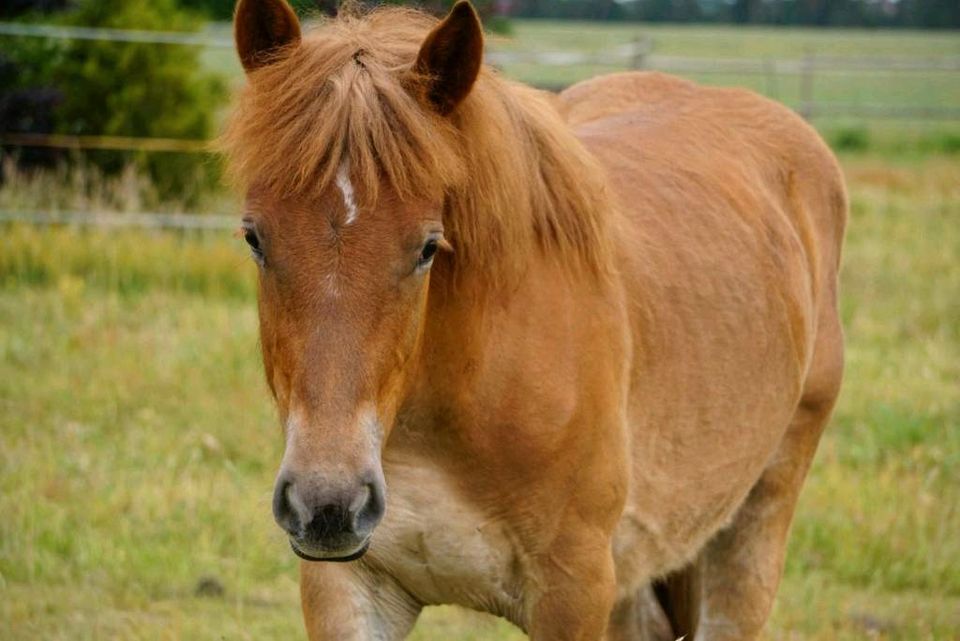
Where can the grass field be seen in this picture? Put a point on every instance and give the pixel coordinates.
(916, 89)
(885, 89)
(760, 43)
(138, 445)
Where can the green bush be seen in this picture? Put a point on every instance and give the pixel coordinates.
(131, 89)
(214, 9)
(948, 143)
(850, 139)
(499, 25)
(223, 9)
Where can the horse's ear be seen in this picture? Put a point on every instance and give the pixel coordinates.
(260, 27)
(451, 56)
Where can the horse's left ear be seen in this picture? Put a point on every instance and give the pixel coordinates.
(451, 56)
(261, 27)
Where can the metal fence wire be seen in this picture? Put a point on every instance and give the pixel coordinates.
(638, 54)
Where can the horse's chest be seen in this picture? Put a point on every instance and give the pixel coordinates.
(443, 550)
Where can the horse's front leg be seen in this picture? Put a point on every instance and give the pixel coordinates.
(351, 602)
(575, 591)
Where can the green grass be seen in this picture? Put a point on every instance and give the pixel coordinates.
(138, 445)
(760, 43)
(727, 41)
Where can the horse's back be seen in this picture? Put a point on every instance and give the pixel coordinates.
(663, 124)
(730, 219)
(691, 163)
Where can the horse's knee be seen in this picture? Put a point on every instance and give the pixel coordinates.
(579, 594)
(344, 602)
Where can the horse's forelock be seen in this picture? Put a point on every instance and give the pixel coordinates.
(342, 92)
(513, 176)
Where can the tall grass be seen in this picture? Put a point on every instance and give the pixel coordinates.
(127, 262)
(77, 186)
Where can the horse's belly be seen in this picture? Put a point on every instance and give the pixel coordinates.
(668, 517)
(694, 461)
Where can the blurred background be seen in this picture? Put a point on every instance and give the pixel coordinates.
(137, 441)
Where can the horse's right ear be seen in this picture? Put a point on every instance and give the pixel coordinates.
(261, 27)
(451, 56)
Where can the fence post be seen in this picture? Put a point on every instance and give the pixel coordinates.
(806, 85)
(641, 46)
(770, 72)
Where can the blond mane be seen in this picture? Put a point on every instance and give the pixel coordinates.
(511, 175)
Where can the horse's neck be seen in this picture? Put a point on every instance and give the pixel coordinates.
(479, 335)
(531, 187)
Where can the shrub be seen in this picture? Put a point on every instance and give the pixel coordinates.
(13, 8)
(850, 139)
(214, 9)
(949, 143)
(223, 9)
(131, 89)
(27, 102)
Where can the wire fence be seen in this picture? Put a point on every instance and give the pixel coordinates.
(57, 32)
(113, 143)
(143, 220)
(638, 54)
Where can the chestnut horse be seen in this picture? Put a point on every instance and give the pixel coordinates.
(564, 359)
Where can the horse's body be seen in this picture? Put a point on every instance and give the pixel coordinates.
(629, 413)
(735, 220)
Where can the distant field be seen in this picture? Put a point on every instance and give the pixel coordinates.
(138, 446)
(727, 41)
(716, 42)
(884, 88)
(695, 41)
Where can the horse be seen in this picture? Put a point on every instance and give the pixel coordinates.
(563, 358)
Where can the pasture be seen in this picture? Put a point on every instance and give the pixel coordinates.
(138, 445)
(701, 45)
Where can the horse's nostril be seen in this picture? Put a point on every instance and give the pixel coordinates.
(359, 501)
(283, 510)
(371, 510)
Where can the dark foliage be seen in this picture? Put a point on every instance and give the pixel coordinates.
(939, 14)
(14, 8)
(223, 9)
(885, 13)
(102, 88)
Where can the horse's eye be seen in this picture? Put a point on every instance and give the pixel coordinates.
(427, 253)
(253, 240)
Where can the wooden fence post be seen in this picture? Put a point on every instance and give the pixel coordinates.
(770, 73)
(806, 85)
(641, 45)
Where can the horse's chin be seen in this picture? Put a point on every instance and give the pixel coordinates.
(331, 558)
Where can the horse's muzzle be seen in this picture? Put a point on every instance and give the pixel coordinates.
(325, 521)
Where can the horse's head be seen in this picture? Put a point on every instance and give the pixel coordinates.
(343, 274)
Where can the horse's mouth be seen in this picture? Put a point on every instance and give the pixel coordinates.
(353, 556)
